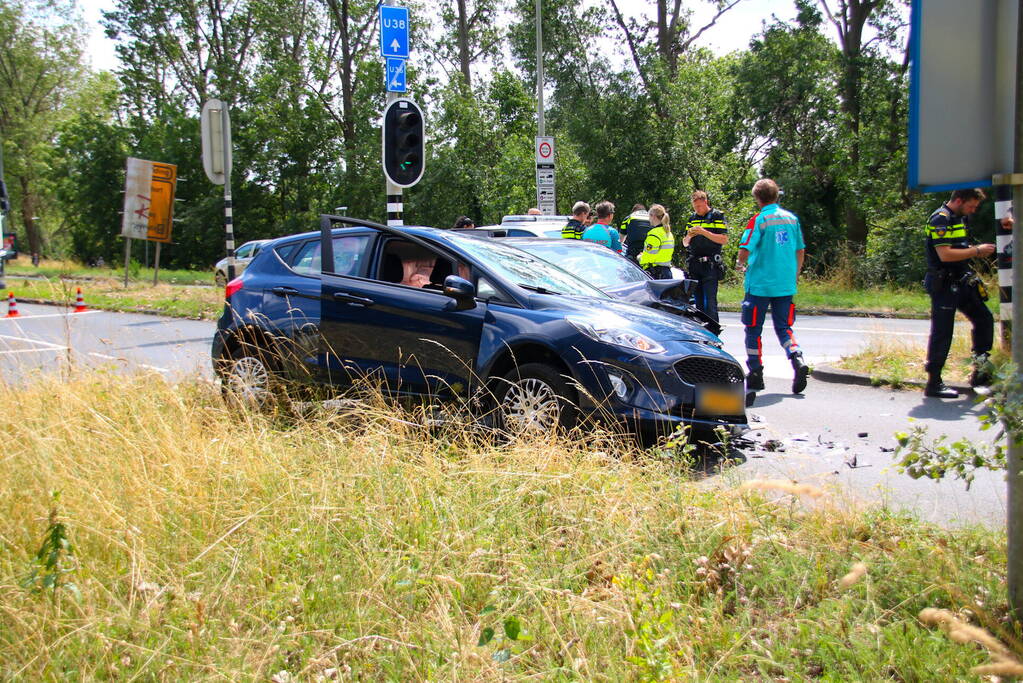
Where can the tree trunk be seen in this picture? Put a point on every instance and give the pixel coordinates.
(463, 45)
(28, 207)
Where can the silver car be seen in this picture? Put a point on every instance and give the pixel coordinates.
(242, 256)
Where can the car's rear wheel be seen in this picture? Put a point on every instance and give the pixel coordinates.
(247, 377)
(535, 398)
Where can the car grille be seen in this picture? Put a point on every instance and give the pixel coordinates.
(697, 370)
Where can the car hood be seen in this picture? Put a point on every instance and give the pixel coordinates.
(655, 324)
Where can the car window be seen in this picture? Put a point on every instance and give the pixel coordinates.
(256, 248)
(600, 267)
(286, 250)
(519, 232)
(524, 269)
(403, 262)
(348, 254)
(243, 251)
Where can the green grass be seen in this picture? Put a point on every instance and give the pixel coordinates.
(69, 269)
(211, 543)
(895, 361)
(200, 303)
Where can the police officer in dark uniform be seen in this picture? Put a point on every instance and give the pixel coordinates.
(577, 223)
(635, 227)
(706, 233)
(952, 285)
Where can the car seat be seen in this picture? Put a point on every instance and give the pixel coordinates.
(441, 269)
(391, 269)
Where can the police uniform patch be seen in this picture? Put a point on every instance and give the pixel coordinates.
(940, 232)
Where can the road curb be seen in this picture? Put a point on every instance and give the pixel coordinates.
(829, 373)
(844, 313)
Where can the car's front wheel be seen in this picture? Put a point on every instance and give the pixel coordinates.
(535, 398)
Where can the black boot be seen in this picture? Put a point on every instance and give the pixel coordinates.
(981, 376)
(755, 380)
(937, 389)
(801, 372)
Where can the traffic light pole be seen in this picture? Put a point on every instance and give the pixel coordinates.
(395, 206)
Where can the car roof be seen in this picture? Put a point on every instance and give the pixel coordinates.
(526, 218)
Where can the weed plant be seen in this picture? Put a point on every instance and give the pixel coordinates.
(215, 543)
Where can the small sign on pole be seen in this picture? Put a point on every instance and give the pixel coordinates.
(394, 30)
(546, 197)
(216, 161)
(395, 74)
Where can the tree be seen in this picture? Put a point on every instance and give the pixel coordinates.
(40, 72)
(851, 18)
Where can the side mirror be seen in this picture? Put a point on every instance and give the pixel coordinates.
(462, 291)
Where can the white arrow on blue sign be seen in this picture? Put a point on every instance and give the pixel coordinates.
(395, 75)
(394, 27)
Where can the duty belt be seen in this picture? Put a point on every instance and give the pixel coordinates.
(716, 258)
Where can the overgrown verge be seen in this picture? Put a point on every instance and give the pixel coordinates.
(207, 542)
(899, 362)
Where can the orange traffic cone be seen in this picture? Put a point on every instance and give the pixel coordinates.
(80, 303)
(12, 306)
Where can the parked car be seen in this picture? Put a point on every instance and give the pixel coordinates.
(618, 276)
(243, 255)
(438, 314)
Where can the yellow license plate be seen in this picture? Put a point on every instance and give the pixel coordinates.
(716, 401)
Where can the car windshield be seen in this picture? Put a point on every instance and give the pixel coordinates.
(597, 265)
(524, 269)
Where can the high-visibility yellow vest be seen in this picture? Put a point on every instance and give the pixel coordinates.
(658, 248)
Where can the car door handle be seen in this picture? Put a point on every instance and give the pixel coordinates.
(352, 299)
(284, 291)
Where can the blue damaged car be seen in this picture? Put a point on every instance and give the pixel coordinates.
(429, 313)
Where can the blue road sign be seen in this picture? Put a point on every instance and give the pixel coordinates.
(395, 75)
(394, 26)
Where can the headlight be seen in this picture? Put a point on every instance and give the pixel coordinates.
(617, 336)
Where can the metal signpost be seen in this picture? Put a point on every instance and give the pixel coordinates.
(546, 199)
(216, 162)
(966, 130)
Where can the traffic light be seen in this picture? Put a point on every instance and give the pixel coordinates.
(404, 138)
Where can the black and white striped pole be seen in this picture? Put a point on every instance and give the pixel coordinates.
(1003, 242)
(395, 206)
(216, 161)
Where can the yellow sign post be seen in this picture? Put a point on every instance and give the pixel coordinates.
(148, 206)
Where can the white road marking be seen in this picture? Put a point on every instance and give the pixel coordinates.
(29, 316)
(48, 348)
(125, 360)
(33, 341)
(797, 328)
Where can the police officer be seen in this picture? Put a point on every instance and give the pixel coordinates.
(659, 246)
(576, 224)
(952, 285)
(706, 233)
(635, 227)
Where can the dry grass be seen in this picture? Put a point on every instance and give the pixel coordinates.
(211, 543)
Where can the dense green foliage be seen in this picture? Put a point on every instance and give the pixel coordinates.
(641, 110)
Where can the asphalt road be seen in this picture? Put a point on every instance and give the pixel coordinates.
(818, 431)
